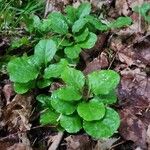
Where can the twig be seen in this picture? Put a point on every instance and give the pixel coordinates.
(56, 141)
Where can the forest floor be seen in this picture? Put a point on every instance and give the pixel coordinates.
(126, 51)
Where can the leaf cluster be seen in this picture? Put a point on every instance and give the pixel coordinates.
(82, 101)
(72, 109)
(76, 29)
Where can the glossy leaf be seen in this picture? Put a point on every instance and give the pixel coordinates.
(58, 23)
(45, 51)
(71, 124)
(71, 14)
(22, 88)
(78, 25)
(73, 77)
(49, 117)
(121, 22)
(103, 128)
(73, 51)
(68, 93)
(92, 110)
(42, 83)
(84, 9)
(96, 23)
(80, 37)
(45, 100)
(55, 70)
(90, 42)
(62, 106)
(103, 82)
(110, 98)
(21, 71)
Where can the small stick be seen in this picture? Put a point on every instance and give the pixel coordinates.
(56, 142)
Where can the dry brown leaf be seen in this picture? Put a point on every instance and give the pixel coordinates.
(98, 63)
(132, 128)
(78, 142)
(134, 99)
(19, 146)
(8, 92)
(17, 113)
(105, 144)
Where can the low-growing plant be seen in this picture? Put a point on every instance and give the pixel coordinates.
(83, 103)
(74, 30)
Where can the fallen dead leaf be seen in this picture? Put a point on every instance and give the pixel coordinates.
(17, 113)
(8, 92)
(134, 100)
(19, 146)
(105, 144)
(78, 142)
(101, 62)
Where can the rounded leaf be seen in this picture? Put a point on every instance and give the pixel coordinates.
(103, 128)
(78, 25)
(55, 70)
(90, 42)
(21, 71)
(62, 106)
(92, 110)
(45, 51)
(49, 117)
(84, 9)
(22, 88)
(71, 124)
(58, 23)
(103, 81)
(81, 36)
(73, 51)
(110, 98)
(68, 93)
(73, 77)
(42, 83)
(45, 100)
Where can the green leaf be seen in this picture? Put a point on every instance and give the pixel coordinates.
(103, 82)
(22, 88)
(78, 25)
(21, 71)
(68, 93)
(121, 22)
(81, 36)
(71, 124)
(96, 23)
(58, 23)
(71, 14)
(73, 77)
(42, 83)
(49, 117)
(36, 21)
(55, 70)
(45, 51)
(143, 10)
(103, 128)
(73, 51)
(45, 25)
(110, 98)
(84, 9)
(16, 43)
(92, 110)
(62, 106)
(90, 42)
(45, 100)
